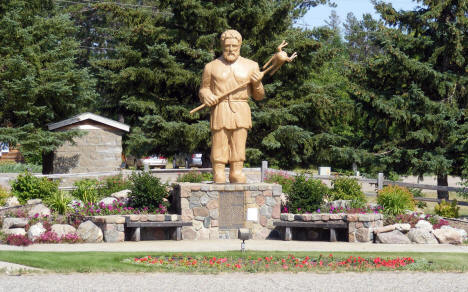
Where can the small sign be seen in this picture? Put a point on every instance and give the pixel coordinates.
(252, 214)
(4, 147)
(324, 170)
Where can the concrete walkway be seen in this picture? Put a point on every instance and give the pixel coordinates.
(222, 245)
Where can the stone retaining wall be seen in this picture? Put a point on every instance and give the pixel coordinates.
(205, 206)
(359, 226)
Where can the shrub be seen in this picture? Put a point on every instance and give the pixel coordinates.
(285, 180)
(346, 188)
(446, 209)
(4, 194)
(395, 200)
(87, 190)
(13, 167)
(112, 185)
(147, 191)
(26, 187)
(195, 177)
(59, 202)
(306, 195)
(17, 239)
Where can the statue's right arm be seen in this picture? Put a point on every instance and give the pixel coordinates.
(205, 94)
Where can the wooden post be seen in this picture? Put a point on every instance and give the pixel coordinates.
(264, 170)
(380, 179)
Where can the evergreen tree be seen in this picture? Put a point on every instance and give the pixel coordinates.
(413, 91)
(40, 82)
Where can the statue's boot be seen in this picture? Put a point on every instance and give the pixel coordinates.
(236, 175)
(219, 176)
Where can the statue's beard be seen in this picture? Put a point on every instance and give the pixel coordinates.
(230, 57)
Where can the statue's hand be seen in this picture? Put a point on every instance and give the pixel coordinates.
(210, 100)
(256, 78)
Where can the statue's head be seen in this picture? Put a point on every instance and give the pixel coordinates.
(231, 41)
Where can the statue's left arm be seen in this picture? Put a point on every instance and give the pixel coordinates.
(258, 92)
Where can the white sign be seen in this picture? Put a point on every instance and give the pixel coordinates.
(252, 214)
(324, 170)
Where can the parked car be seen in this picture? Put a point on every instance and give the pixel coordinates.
(187, 161)
(158, 161)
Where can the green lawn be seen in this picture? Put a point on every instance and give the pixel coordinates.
(86, 262)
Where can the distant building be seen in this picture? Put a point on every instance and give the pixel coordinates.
(100, 149)
(8, 153)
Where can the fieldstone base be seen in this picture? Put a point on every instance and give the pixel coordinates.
(217, 211)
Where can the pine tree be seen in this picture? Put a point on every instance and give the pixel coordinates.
(413, 92)
(40, 82)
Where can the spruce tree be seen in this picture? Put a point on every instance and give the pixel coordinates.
(413, 91)
(40, 81)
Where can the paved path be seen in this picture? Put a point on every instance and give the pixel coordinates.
(378, 281)
(222, 245)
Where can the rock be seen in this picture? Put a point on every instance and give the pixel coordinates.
(89, 232)
(12, 202)
(34, 201)
(462, 232)
(403, 227)
(363, 235)
(394, 236)
(345, 204)
(421, 235)
(40, 209)
(448, 236)
(423, 224)
(108, 201)
(14, 223)
(63, 229)
(188, 233)
(35, 231)
(122, 195)
(15, 231)
(384, 229)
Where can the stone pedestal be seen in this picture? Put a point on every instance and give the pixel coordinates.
(217, 211)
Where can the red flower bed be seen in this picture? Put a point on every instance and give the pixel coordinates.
(273, 264)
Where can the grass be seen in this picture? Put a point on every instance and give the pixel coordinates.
(11, 167)
(93, 262)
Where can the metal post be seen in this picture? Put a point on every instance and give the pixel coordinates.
(264, 170)
(380, 180)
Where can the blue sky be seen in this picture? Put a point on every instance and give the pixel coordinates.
(318, 15)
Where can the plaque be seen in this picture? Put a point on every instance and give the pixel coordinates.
(231, 210)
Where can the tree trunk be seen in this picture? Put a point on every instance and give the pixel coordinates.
(442, 180)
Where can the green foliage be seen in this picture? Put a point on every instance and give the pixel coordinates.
(112, 185)
(346, 188)
(395, 199)
(40, 82)
(446, 209)
(13, 167)
(195, 177)
(147, 191)
(4, 194)
(306, 195)
(411, 90)
(87, 190)
(59, 202)
(285, 180)
(26, 187)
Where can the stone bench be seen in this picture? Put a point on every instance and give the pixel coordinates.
(134, 227)
(359, 227)
(338, 224)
